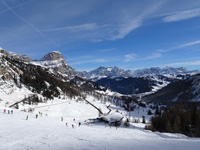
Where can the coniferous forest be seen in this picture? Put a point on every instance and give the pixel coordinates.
(182, 118)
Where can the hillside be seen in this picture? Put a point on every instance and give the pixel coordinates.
(187, 90)
(43, 88)
(49, 132)
(46, 80)
(134, 85)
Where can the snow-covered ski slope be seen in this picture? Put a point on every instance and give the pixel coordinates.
(48, 132)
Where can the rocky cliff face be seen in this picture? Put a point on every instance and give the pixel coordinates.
(104, 72)
(53, 56)
(15, 56)
(23, 58)
(55, 61)
(50, 76)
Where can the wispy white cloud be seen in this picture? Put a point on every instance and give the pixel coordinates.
(188, 44)
(96, 40)
(89, 60)
(182, 15)
(21, 18)
(129, 57)
(78, 58)
(88, 26)
(132, 57)
(126, 28)
(178, 47)
(153, 56)
(187, 63)
(107, 50)
(99, 60)
(133, 22)
(17, 6)
(25, 21)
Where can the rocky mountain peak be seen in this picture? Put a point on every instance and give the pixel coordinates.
(55, 61)
(2, 51)
(15, 56)
(103, 72)
(52, 56)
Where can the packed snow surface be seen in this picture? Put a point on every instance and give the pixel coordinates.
(48, 132)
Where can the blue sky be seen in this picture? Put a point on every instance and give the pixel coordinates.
(130, 34)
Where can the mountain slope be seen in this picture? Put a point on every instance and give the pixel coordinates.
(159, 71)
(133, 85)
(187, 90)
(28, 79)
(50, 133)
(55, 61)
(34, 78)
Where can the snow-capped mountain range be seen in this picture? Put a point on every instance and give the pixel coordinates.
(49, 75)
(114, 72)
(60, 95)
(54, 60)
(103, 72)
(143, 81)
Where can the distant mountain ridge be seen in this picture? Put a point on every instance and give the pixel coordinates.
(103, 72)
(53, 71)
(114, 72)
(159, 71)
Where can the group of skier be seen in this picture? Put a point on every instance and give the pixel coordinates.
(73, 126)
(36, 116)
(9, 111)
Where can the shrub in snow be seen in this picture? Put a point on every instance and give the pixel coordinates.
(143, 119)
(149, 112)
(127, 123)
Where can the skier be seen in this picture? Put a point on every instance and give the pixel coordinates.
(4, 110)
(36, 116)
(72, 126)
(61, 118)
(11, 111)
(66, 124)
(27, 117)
(8, 111)
(74, 119)
(79, 124)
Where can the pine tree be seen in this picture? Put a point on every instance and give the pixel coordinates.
(197, 127)
(143, 119)
(168, 127)
(149, 112)
(177, 125)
